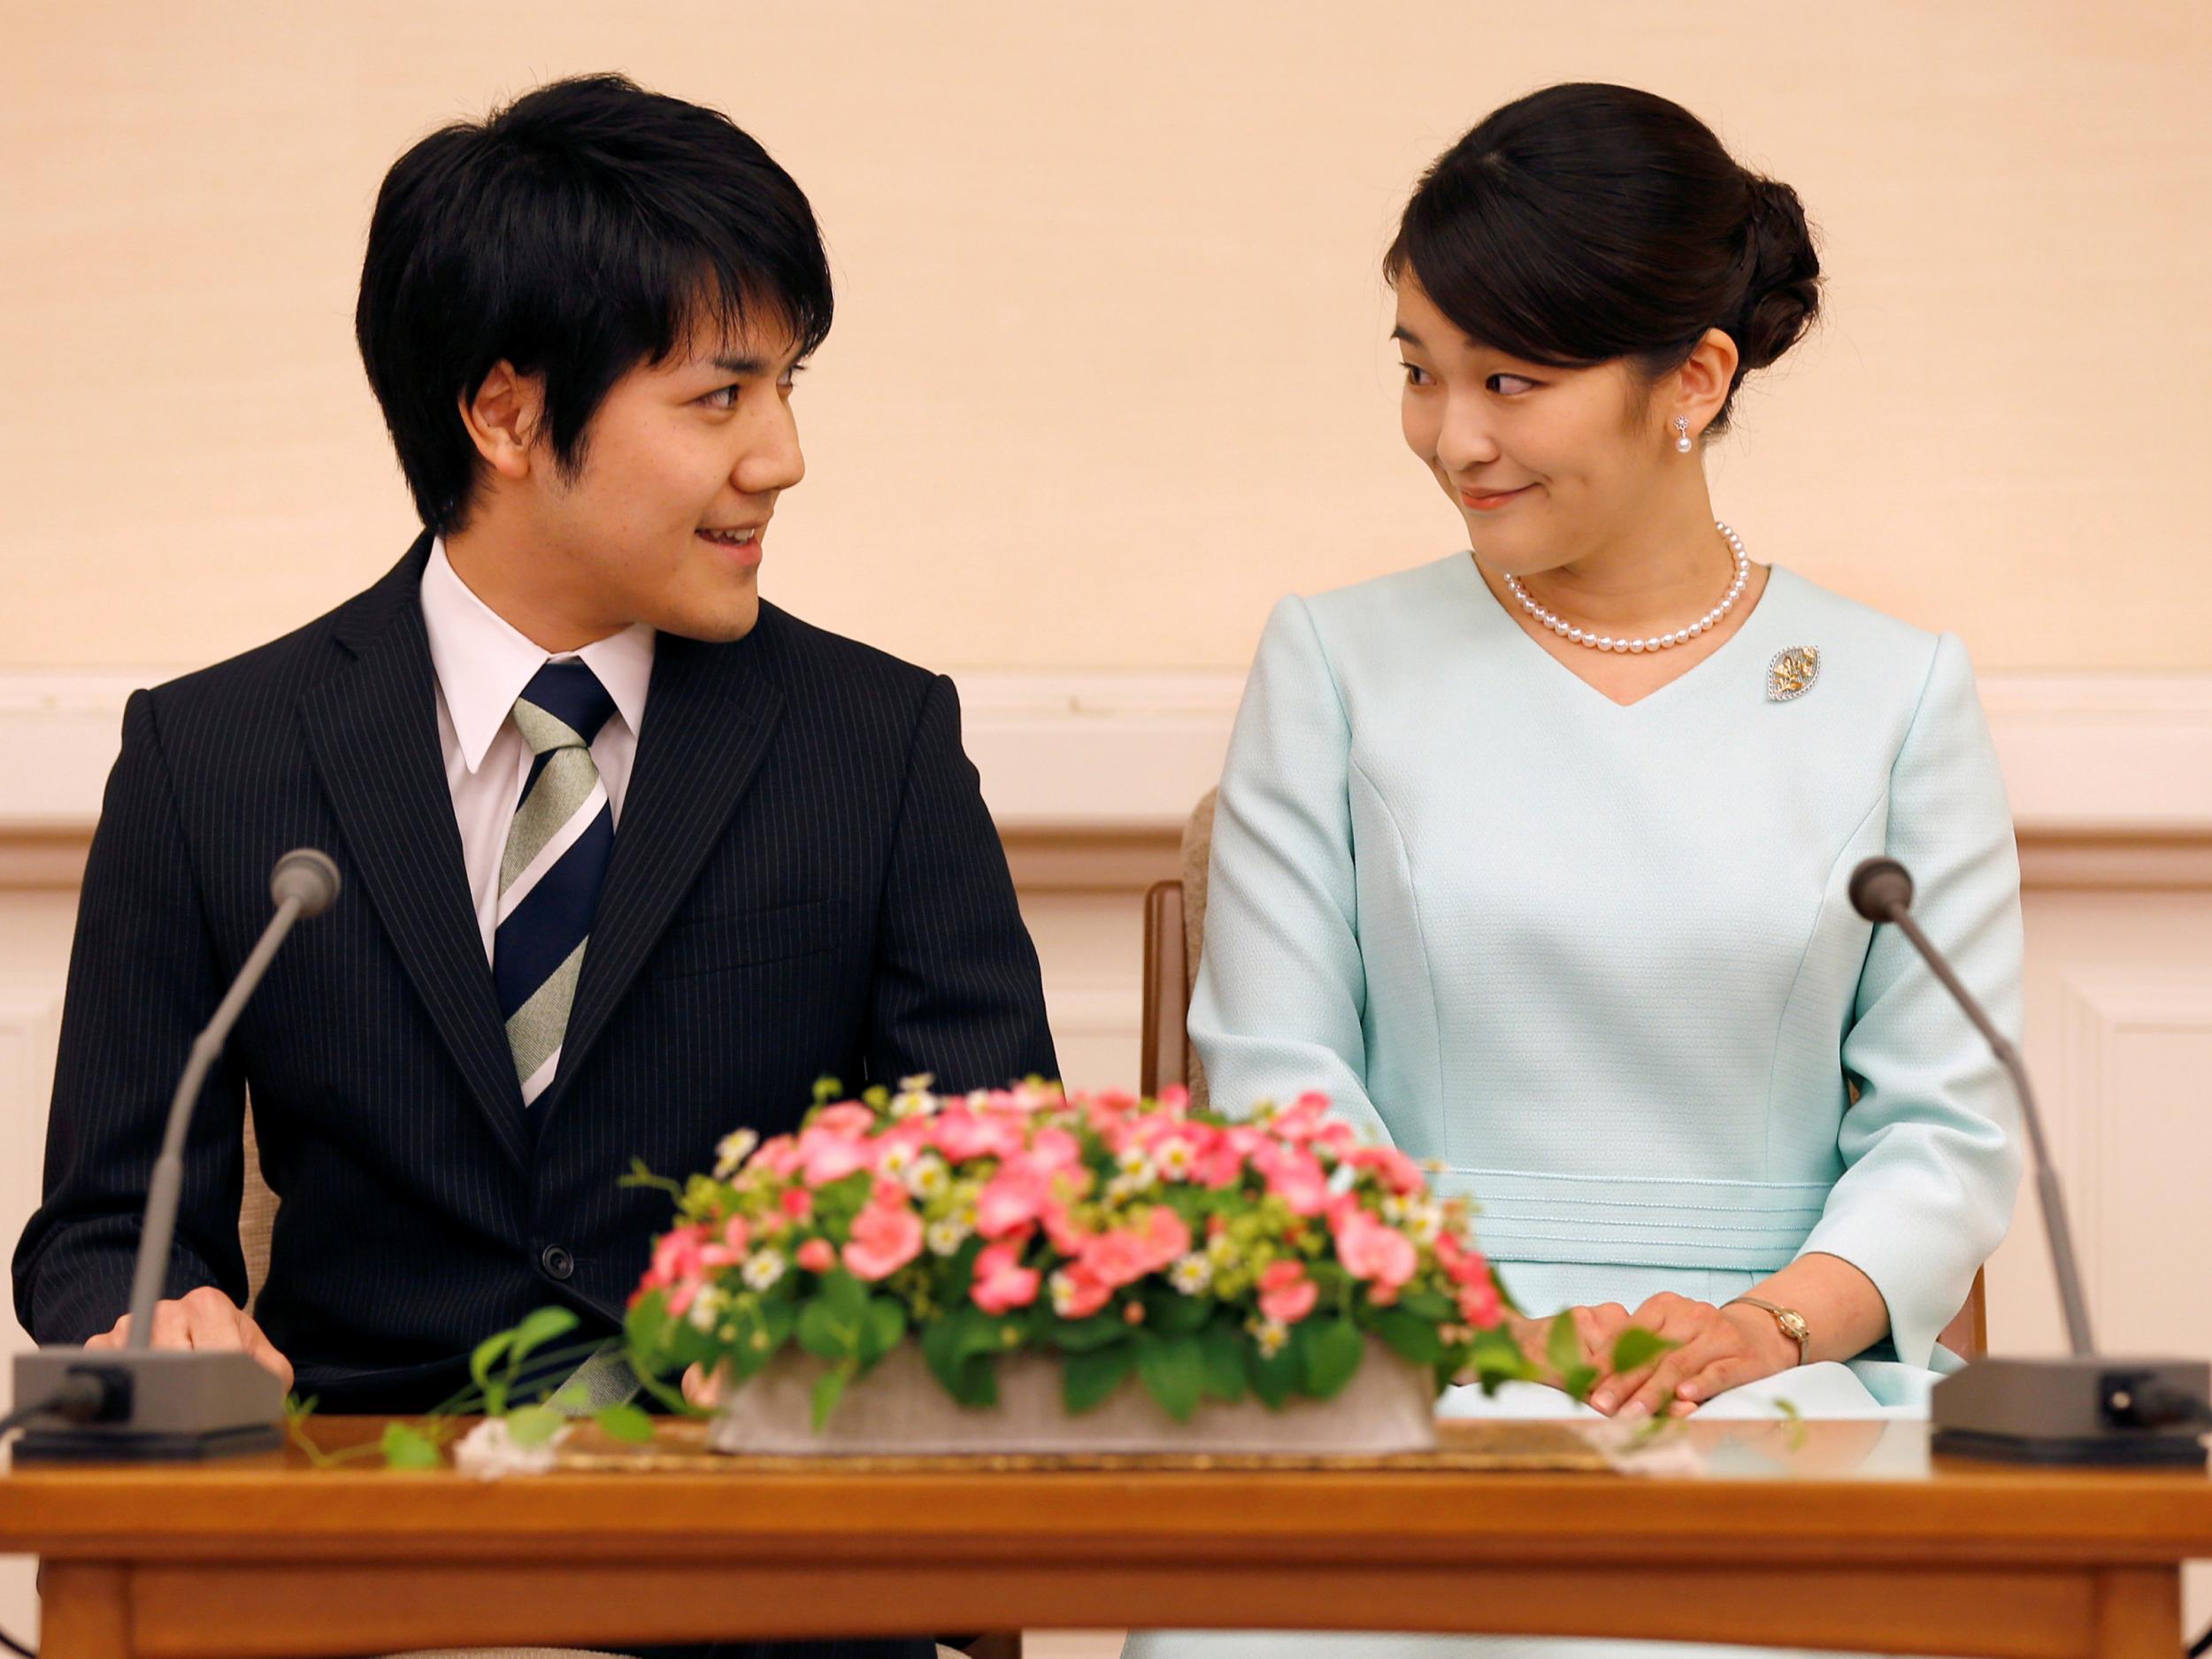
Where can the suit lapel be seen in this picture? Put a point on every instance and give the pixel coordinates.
(373, 732)
(708, 716)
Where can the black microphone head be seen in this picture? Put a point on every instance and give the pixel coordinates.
(308, 876)
(1881, 888)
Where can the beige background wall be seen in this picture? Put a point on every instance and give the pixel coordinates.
(1110, 373)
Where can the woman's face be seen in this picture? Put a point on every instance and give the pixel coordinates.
(1548, 466)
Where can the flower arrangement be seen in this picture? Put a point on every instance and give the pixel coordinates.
(1208, 1257)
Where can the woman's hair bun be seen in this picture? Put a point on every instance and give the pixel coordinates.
(1781, 294)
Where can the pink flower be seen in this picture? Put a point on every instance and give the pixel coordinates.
(1479, 1306)
(1399, 1173)
(960, 1134)
(1165, 1238)
(818, 1255)
(826, 1155)
(778, 1157)
(1052, 1150)
(848, 1119)
(730, 1248)
(676, 1256)
(1014, 1197)
(1371, 1250)
(885, 1237)
(1001, 1283)
(1287, 1296)
(1116, 1258)
(1078, 1293)
(1294, 1175)
(1461, 1264)
(798, 1204)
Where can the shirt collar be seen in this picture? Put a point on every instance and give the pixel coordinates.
(483, 662)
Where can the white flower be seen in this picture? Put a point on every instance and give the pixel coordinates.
(1191, 1274)
(928, 1177)
(917, 1083)
(947, 1236)
(706, 1308)
(897, 1158)
(1221, 1250)
(1425, 1222)
(1177, 1160)
(1063, 1293)
(732, 1151)
(1393, 1209)
(1269, 1334)
(1342, 1179)
(487, 1451)
(763, 1269)
(912, 1103)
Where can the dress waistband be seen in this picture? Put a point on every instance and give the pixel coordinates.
(1522, 1216)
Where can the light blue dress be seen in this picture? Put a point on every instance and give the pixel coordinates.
(1599, 961)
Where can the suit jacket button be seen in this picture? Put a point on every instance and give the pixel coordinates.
(558, 1262)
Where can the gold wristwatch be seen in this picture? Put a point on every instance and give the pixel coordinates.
(1793, 1323)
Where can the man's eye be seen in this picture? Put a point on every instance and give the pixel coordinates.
(721, 398)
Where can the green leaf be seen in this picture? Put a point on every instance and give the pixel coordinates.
(843, 1294)
(1332, 1350)
(406, 1447)
(640, 1176)
(1088, 1376)
(828, 1391)
(827, 1334)
(533, 1425)
(1410, 1335)
(645, 1328)
(1564, 1346)
(1577, 1380)
(487, 1355)
(1168, 1312)
(1221, 1348)
(1173, 1372)
(1274, 1379)
(881, 1329)
(626, 1421)
(1636, 1347)
(1082, 1336)
(540, 1327)
(1432, 1305)
(1497, 1354)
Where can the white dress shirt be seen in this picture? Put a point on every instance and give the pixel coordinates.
(482, 664)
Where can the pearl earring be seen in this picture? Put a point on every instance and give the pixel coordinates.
(1682, 434)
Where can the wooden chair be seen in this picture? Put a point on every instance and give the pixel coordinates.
(1174, 929)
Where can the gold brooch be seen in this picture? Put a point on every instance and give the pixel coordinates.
(1792, 672)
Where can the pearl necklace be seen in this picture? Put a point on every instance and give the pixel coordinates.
(1658, 642)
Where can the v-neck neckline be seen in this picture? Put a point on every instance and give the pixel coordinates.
(1488, 602)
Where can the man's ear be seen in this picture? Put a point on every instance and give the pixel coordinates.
(503, 418)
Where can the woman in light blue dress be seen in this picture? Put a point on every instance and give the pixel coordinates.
(1534, 858)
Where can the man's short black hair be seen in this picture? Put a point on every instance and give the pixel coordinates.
(585, 228)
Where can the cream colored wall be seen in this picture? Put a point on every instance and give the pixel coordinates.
(1109, 373)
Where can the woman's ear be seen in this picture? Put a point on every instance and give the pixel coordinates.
(1700, 385)
(504, 417)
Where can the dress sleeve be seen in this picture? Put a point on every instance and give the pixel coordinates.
(1932, 1147)
(1281, 989)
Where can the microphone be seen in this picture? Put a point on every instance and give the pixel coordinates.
(2080, 1410)
(172, 1404)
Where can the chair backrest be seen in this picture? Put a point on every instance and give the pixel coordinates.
(257, 1217)
(1174, 930)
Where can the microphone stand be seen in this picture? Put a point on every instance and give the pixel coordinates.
(2083, 1409)
(149, 1403)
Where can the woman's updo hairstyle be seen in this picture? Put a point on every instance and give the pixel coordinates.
(1588, 222)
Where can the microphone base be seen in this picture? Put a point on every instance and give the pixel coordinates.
(164, 1405)
(2090, 1409)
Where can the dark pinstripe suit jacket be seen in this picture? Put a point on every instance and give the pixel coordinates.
(805, 882)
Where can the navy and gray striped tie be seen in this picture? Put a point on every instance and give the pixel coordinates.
(556, 858)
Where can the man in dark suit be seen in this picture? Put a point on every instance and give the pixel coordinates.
(631, 857)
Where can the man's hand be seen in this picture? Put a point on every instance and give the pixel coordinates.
(204, 1319)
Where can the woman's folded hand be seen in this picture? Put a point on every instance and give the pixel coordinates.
(1713, 1349)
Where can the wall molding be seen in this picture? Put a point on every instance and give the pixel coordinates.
(1089, 774)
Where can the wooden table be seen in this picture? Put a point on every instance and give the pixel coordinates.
(1838, 1536)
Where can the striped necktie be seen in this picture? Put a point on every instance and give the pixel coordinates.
(556, 859)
